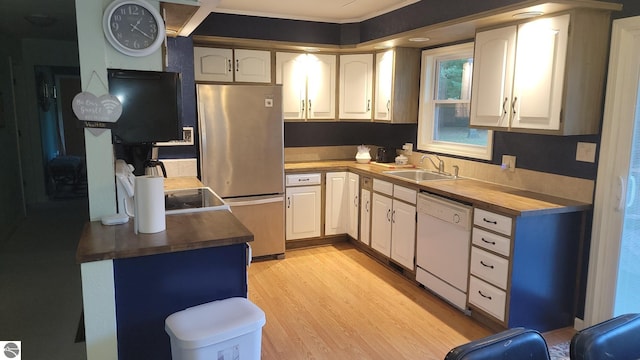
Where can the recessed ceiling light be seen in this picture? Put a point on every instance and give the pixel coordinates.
(528, 14)
(311, 49)
(382, 47)
(419, 39)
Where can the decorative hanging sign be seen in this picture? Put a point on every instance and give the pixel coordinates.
(97, 112)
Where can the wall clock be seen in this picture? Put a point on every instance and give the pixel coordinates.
(133, 27)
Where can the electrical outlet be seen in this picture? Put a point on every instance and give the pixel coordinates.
(509, 163)
(586, 152)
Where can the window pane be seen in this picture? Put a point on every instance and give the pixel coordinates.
(454, 79)
(452, 125)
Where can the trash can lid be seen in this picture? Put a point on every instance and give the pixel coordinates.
(214, 322)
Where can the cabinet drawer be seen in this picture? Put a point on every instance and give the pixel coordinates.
(303, 179)
(492, 221)
(383, 187)
(489, 267)
(491, 241)
(405, 194)
(487, 297)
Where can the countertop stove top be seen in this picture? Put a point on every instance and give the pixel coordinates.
(192, 200)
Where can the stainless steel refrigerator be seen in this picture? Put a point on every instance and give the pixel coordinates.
(242, 157)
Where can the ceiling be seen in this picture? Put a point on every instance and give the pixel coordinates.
(62, 13)
(14, 25)
(335, 11)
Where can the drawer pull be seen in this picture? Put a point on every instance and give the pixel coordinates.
(485, 265)
(488, 242)
(483, 295)
(490, 221)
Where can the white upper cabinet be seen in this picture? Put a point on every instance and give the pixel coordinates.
(308, 85)
(356, 78)
(384, 85)
(493, 64)
(397, 85)
(252, 66)
(535, 77)
(539, 74)
(228, 65)
(212, 64)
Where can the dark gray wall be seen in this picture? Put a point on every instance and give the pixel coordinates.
(550, 154)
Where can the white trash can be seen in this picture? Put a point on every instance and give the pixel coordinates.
(229, 329)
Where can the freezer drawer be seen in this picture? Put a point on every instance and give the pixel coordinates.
(264, 217)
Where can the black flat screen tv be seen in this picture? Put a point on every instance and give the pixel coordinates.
(151, 106)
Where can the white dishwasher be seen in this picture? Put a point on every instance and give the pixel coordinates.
(442, 249)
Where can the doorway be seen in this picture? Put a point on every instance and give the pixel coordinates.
(63, 147)
(614, 271)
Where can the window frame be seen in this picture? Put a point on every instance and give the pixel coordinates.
(427, 105)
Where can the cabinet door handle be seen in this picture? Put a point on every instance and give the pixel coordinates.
(309, 106)
(366, 206)
(229, 63)
(504, 107)
(490, 221)
(388, 105)
(488, 242)
(393, 217)
(389, 215)
(368, 105)
(513, 105)
(288, 202)
(355, 201)
(237, 65)
(302, 105)
(483, 295)
(485, 265)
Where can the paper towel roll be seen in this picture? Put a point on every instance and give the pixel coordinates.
(149, 204)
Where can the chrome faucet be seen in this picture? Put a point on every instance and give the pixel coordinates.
(440, 165)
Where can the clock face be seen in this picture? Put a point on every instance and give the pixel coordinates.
(133, 27)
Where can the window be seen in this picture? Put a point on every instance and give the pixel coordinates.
(443, 125)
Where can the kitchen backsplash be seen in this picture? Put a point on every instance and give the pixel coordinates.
(181, 167)
(550, 184)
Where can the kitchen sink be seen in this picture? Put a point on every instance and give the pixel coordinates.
(419, 175)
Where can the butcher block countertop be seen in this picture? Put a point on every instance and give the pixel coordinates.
(184, 232)
(489, 196)
(187, 231)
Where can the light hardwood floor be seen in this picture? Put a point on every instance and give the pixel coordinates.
(335, 302)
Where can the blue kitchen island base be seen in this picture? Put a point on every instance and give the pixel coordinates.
(150, 288)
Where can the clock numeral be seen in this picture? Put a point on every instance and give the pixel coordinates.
(134, 10)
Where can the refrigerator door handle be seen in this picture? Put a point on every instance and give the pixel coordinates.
(233, 202)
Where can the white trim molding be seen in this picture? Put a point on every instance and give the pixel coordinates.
(613, 169)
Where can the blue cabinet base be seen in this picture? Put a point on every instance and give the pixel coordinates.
(150, 288)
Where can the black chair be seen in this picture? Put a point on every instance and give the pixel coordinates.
(614, 339)
(512, 344)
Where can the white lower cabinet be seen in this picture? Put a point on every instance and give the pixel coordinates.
(365, 216)
(403, 233)
(381, 224)
(353, 204)
(336, 215)
(303, 212)
(342, 203)
(393, 222)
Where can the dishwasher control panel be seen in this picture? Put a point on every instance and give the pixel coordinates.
(444, 209)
